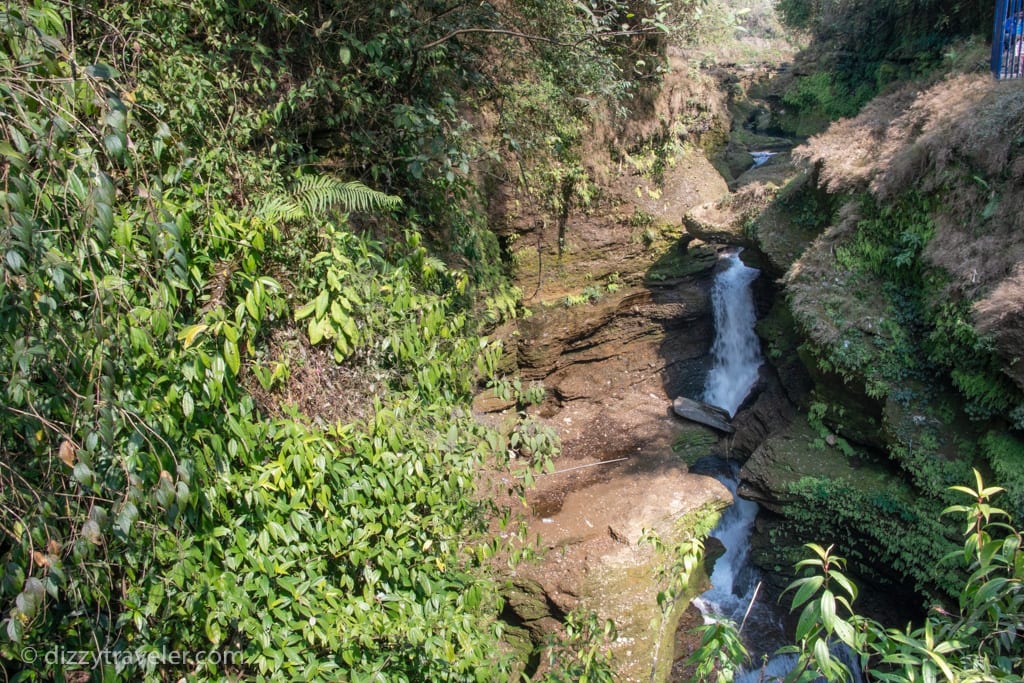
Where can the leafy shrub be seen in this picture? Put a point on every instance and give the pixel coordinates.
(906, 534)
(148, 505)
(979, 638)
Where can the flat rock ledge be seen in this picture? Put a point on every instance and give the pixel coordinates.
(702, 413)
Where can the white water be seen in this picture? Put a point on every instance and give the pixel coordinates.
(732, 585)
(736, 359)
(736, 350)
(734, 592)
(761, 158)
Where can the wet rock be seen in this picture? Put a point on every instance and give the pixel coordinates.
(792, 454)
(702, 413)
(769, 411)
(713, 549)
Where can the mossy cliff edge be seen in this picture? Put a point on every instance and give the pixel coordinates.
(907, 303)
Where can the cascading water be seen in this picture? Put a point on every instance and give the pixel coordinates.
(733, 584)
(736, 360)
(736, 354)
(736, 351)
(761, 158)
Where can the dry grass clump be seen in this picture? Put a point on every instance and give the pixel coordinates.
(1001, 315)
(900, 137)
(961, 139)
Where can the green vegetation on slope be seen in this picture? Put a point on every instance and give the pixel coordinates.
(856, 49)
(182, 241)
(978, 639)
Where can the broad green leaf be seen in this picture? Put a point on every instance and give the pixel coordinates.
(305, 311)
(189, 334)
(231, 356)
(822, 657)
(828, 610)
(315, 331)
(322, 301)
(15, 631)
(808, 586)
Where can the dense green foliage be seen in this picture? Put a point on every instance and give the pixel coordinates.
(978, 639)
(857, 48)
(181, 220)
(928, 335)
(946, 403)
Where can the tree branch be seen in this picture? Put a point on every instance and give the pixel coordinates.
(541, 39)
(515, 34)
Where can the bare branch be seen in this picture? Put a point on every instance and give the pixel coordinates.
(541, 39)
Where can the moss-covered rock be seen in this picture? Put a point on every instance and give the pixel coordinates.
(797, 452)
(646, 589)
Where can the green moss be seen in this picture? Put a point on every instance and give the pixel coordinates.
(886, 531)
(679, 263)
(1005, 453)
(778, 331)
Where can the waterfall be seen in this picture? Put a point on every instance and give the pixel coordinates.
(736, 356)
(736, 351)
(732, 585)
(734, 591)
(761, 158)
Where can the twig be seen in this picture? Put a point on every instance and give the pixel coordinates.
(580, 467)
(749, 607)
(540, 39)
(501, 31)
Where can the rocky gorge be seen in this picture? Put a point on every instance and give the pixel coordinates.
(856, 424)
(619, 325)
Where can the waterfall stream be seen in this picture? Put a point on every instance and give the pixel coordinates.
(736, 350)
(736, 356)
(735, 584)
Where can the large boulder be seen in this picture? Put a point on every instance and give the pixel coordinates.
(796, 452)
(601, 560)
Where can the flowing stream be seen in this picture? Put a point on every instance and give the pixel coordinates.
(737, 358)
(734, 594)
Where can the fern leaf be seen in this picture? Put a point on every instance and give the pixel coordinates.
(279, 207)
(317, 194)
(313, 195)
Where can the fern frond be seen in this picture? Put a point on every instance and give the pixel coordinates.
(318, 193)
(280, 207)
(313, 195)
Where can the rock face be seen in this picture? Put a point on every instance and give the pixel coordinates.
(609, 365)
(768, 412)
(598, 559)
(734, 218)
(702, 413)
(619, 321)
(794, 453)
